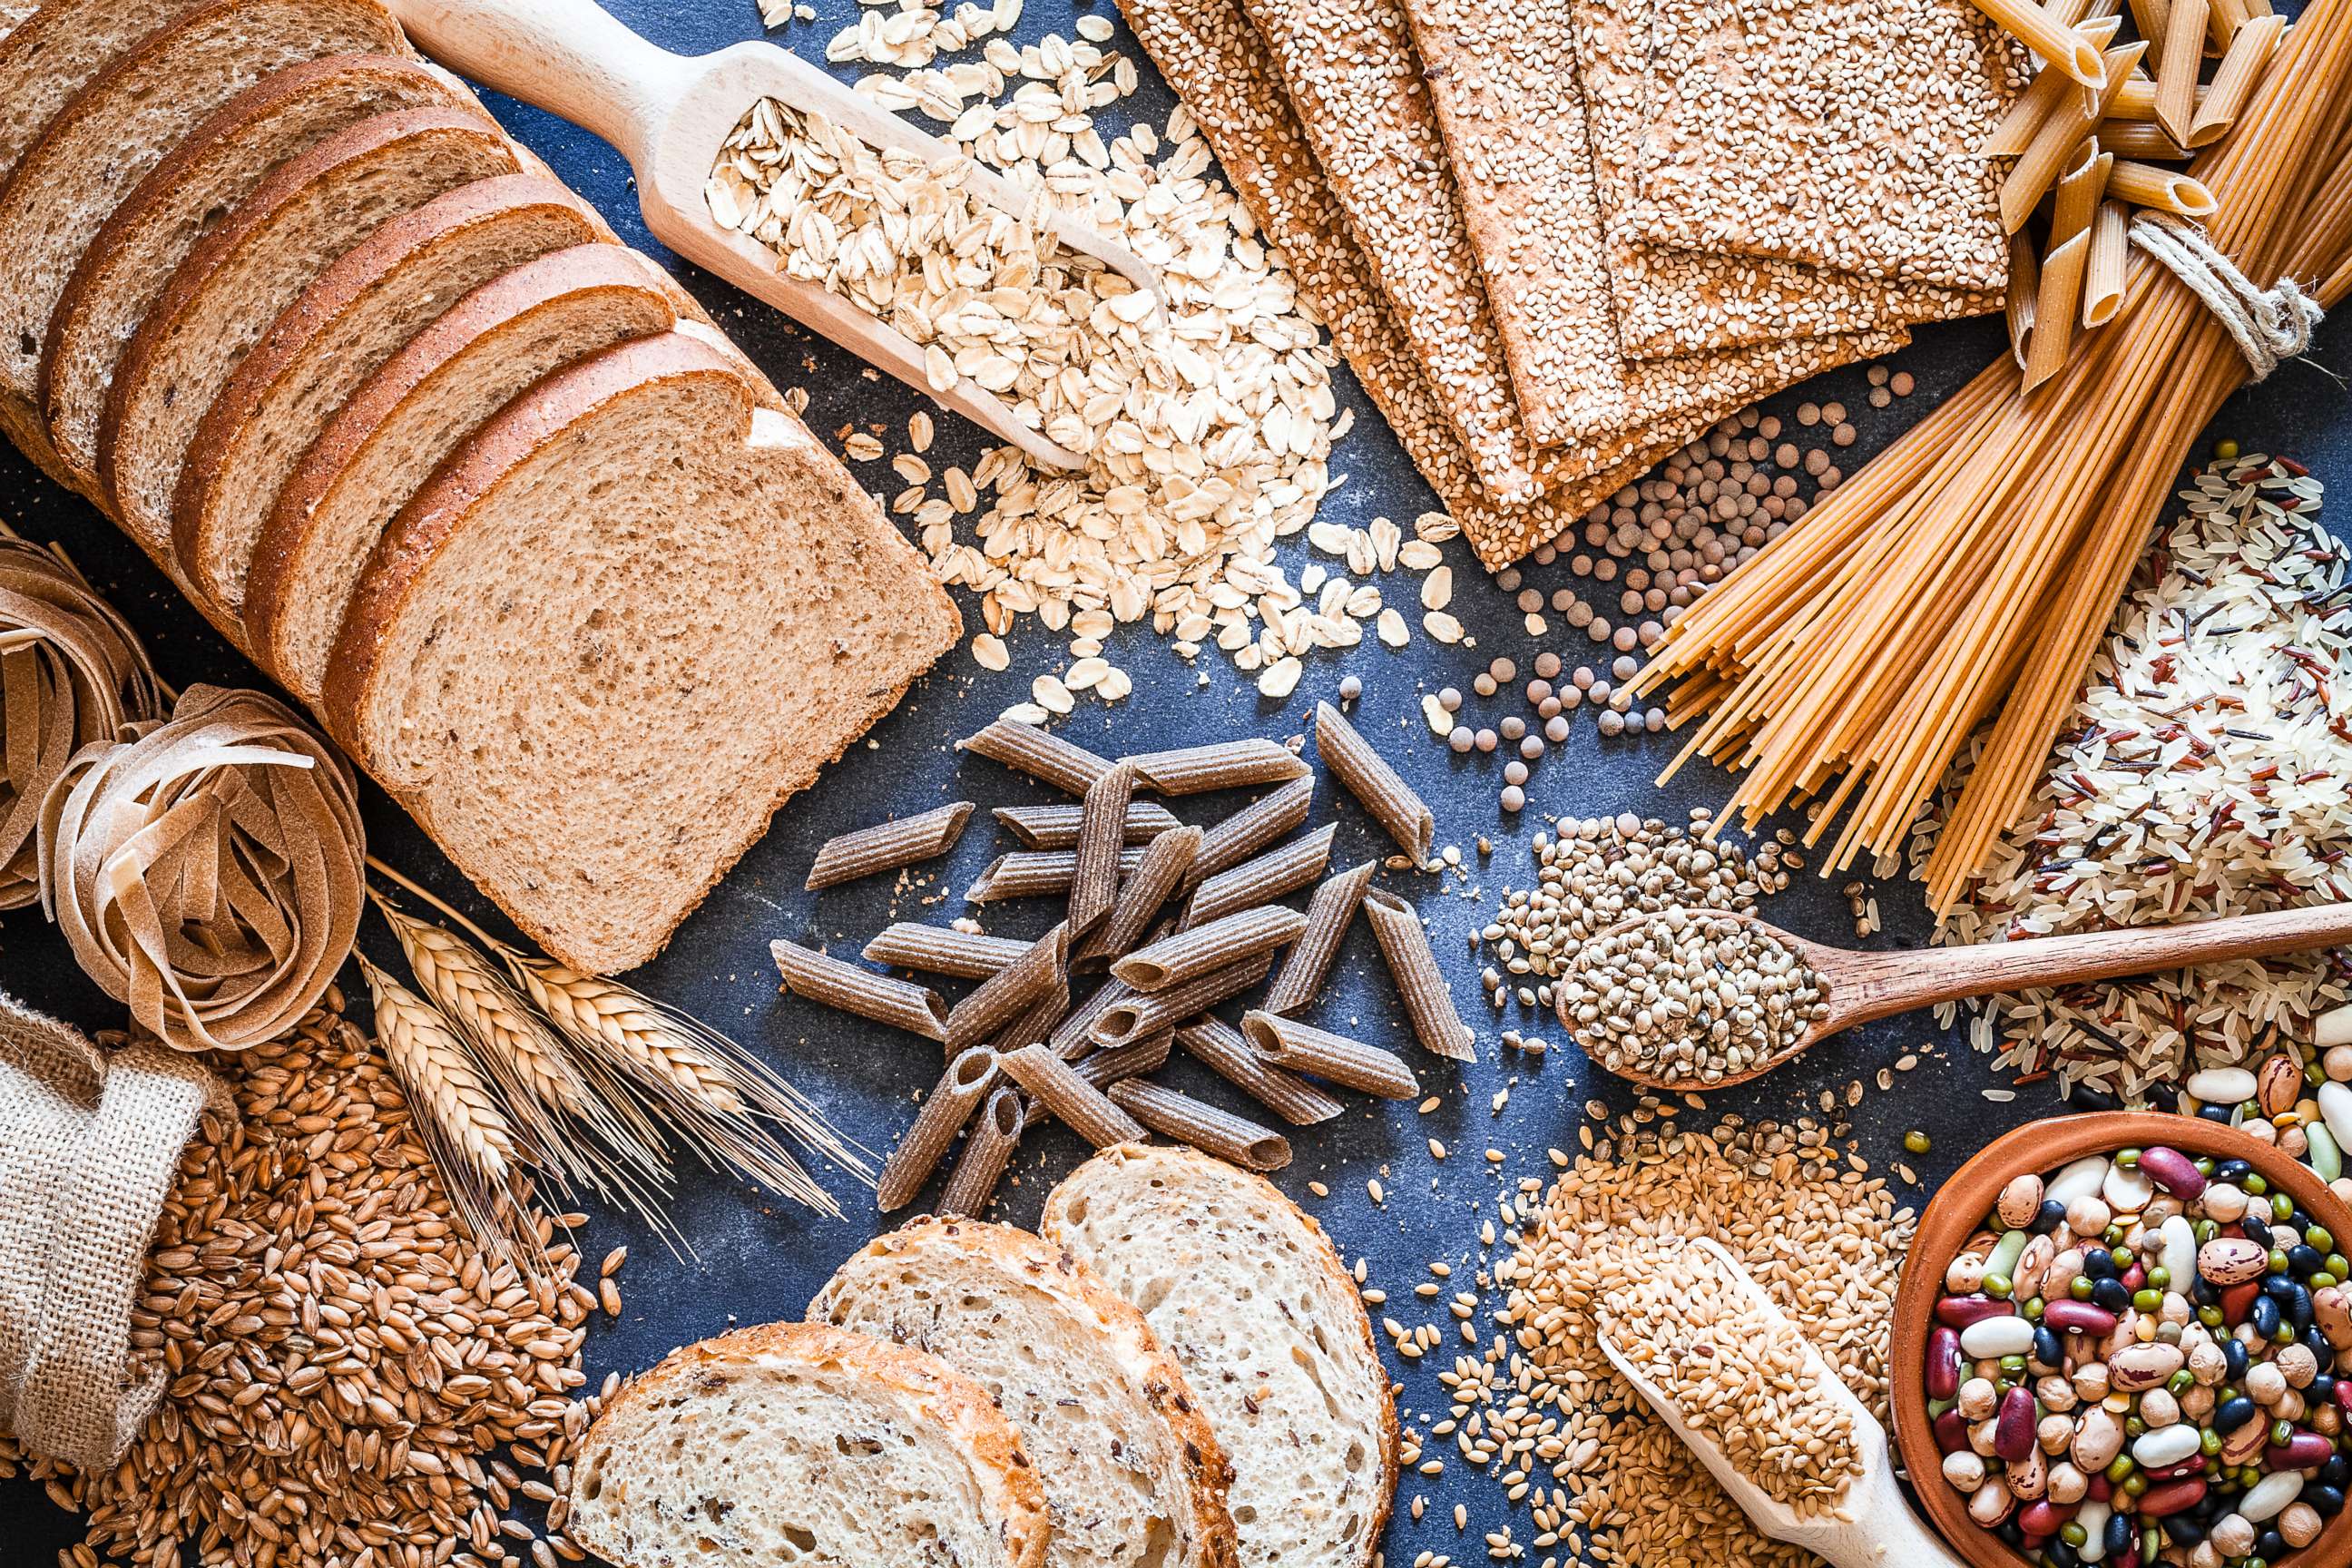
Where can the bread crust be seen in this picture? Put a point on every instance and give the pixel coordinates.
(264, 99)
(411, 237)
(1057, 1273)
(1182, 1167)
(597, 265)
(959, 1406)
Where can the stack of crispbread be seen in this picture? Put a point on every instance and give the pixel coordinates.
(1558, 242)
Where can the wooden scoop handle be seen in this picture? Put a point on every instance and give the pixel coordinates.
(568, 55)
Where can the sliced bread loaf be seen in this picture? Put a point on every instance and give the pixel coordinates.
(126, 267)
(101, 144)
(1248, 1295)
(236, 282)
(358, 313)
(1132, 1477)
(799, 1444)
(52, 52)
(630, 617)
(406, 419)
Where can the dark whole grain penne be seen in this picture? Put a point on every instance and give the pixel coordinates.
(1219, 1046)
(1172, 960)
(1166, 862)
(985, 1154)
(1104, 1068)
(1006, 994)
(1284, 869)
(1329, 914)
(1080, 1105)
(967, 1081)
(1074, 1036)
(1134, 1019)
(1093, 881)
(1302, 1048)
(1218, 765)
(1056, 827)
(1034, 1021)
(1376, 786)
(887, 845)
(1210, 1129)
(1040, 754)
(1245, 832)
(1035, 873)
(1427, 1000)
(943, 950)
(823, 979)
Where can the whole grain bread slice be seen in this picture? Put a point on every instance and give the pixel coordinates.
(126, 267)
(1247, 1293)
(406, 419)
(94, 152)
(54, 51)
(1132, 1476)
(354, 316)
(233, 286)
(630, 617)
(797, 1443)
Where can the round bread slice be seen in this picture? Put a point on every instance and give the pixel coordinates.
(1248, 1295)
(126, 267)
(102, 142)
(237, 280)
(625, 621)
(398, 427)
(354, 316)
(1133, 1478)
(797, 1443)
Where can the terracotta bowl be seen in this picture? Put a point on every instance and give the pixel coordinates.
(1958, 1212)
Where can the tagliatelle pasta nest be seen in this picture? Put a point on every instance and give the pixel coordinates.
(207, 870)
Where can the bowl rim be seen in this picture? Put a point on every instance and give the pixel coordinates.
(1956, 1212)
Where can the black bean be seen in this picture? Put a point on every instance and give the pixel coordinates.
(2270, 1546)
(2234, 1171)
(2235, 1360)
(2049, 1349)
(2111, 1294)
(2264, 1315)
(2049, 1216)
(2098, 1265)
(2235, 1413)
(2119, 1534)
(2303, 1260)
(2328, 1500)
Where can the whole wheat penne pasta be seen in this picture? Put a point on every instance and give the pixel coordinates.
(1006, 994)
(1134, 1019)
(1167, 863)
(2241, 66)
(887, 846)
(1040, 754)
(2143, 140)
(1083, 1107)
(2179, 62)
(1218, 765)
(1329, 914)
(1210, 1129)
(1282, 869)
(1034, 873)
(1219, 1046)
(967, 1081)
(1035, 1022)
(1174, 960)
(2024, 278)
(2064, 48)
(2166, 190)
(2049, 92)
(1104, 1068)
(2136, 102)
(828, 981)
(2150, 17)
(1302, 1048)
(2080, 189)
(1073, 1037)
(1427, 1000)
(2056, 304)
(2222, 20)
(1234, 839)
(1377, 787)
(1056, 827)
(2103, 272)
(1093, 882)
(943, 950)
(2055, 142)
(981, 1164)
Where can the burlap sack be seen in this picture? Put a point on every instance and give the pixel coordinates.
(90, 1142)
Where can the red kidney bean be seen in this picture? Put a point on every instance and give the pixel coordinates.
(2172, 1496)
(2101, 1489)
(2173, 1171)
(2043, 1517)
(2304, 1451)
(2344, 1395)
(2134, 1276)
(2188, 1467)
(1952, 1432)
(1960, 1311)
(2013, 1435)
(1945, 1366)
(2071, 1317)
(2237, 1300)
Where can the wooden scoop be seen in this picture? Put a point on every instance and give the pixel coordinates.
(1874, 1528)
(1860, 987)
(668, 114)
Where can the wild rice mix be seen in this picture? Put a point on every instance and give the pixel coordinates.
(2209, 772)
(350, 1382)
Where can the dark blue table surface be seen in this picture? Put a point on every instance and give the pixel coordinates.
(760, 1259)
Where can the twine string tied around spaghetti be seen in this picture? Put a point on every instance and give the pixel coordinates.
(2270, 326)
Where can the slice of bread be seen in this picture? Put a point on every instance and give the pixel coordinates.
(1248, 1295)
(101, 144)
(354, 316)
(630, 617)
(126, 267)
(797, 1443)
(54, 51)
(234, 284)
(1132, 1477)
(415, 410)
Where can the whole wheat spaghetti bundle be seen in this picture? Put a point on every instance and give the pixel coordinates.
(1966, 574)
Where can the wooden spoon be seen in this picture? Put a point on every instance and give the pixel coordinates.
(1874, 1528)
(1860, 987)
(668, 114)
